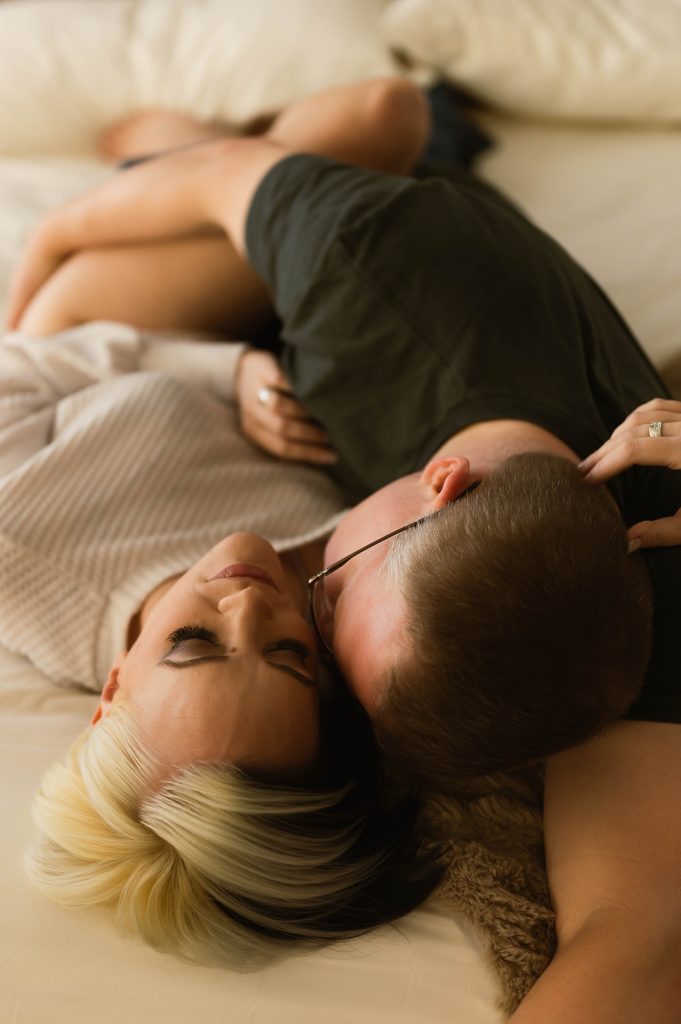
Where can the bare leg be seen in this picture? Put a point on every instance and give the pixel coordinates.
(380, 124)
(318, 123)
(153, 131)
(195, 284)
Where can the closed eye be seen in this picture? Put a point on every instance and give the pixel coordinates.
(297, 647)
(192, 644)
(191, 633)
(295, 653)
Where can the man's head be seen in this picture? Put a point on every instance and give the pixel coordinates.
(508, 627)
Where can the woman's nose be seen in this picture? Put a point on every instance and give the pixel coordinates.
(249, 604)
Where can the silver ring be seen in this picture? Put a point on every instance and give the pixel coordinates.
(264, 395)
(655, 428)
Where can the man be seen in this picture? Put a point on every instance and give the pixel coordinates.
(542, 362)
(429, 322)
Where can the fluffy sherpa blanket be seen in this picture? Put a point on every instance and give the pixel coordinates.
(496, 873)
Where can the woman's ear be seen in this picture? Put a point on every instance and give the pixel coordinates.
(446, 478)
(109, 691)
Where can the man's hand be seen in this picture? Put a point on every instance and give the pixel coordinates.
(632, 445)
(270, 415)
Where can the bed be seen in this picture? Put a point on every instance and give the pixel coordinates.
(583, 102)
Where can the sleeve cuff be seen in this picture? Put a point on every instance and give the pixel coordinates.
(210, 364)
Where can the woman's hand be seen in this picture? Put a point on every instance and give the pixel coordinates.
(632, 445)
(271, 416)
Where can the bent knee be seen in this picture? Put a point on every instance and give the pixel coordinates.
(52, 307)
(391, 96)
(399, 113)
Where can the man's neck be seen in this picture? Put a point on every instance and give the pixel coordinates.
(487, 444)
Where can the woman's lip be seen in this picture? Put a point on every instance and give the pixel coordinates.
(240, 570)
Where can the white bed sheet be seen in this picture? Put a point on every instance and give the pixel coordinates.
(611, 197)
(58, 965)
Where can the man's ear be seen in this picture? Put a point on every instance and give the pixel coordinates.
(109, 691)
(446, 478)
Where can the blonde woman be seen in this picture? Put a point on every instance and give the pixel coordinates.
(226, 798)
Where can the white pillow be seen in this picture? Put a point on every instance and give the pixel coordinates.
(70, 67)
(589, 59)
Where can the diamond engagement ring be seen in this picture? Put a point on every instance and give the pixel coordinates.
(655, 428)
(264, 395)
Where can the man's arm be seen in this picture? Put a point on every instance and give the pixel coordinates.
(613, 844)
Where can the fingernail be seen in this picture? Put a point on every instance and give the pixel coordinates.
(634, 545)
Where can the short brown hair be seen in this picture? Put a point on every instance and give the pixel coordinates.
(528, 626)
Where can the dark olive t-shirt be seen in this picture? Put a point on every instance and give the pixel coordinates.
(412, 308)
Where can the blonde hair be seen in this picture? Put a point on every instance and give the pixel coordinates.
(214, 866)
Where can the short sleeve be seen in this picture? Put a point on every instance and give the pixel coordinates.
(296, 215)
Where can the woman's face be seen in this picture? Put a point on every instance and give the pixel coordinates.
(224, 667)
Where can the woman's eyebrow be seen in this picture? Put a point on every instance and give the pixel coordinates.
(305, 680)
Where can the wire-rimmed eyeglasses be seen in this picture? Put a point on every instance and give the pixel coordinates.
(321, 612)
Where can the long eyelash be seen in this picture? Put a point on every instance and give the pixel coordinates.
(290, 644)
(200, 633)
(191, 633)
